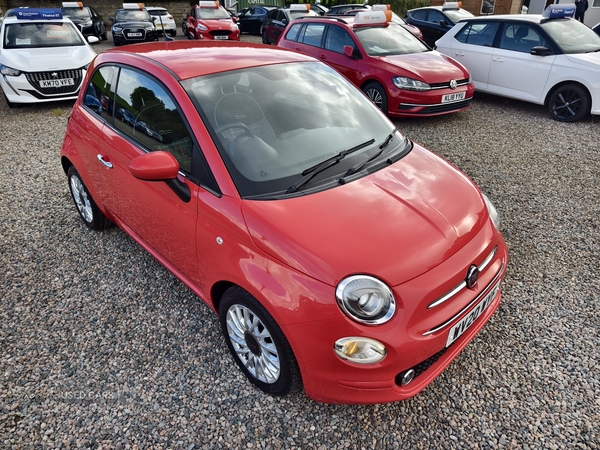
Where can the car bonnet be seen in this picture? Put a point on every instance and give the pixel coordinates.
(47, 58)
(431, 66)
(394, 224)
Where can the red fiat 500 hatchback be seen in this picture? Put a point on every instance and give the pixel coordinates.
(398, 72)
(338, 255)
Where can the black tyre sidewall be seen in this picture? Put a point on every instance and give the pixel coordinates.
(382, 92)
(99, 221)
(585, 103)
(289, 378)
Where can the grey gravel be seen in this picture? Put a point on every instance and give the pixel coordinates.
(101, 347)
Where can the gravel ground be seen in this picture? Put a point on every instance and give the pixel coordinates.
(101, 347)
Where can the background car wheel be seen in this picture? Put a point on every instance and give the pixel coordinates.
(377, 94)
(265, 39)
(191, 35)
(89, 212)
(569, 103)
(103, 36)
(173, 33)
(257, 344)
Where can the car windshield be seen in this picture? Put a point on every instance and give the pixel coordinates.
(389, 40)
(132, 14)
(273, 124)
(41, 34)
(572, 36)
(456, 14)
(159, 12)
(77, 13)
(213, 13)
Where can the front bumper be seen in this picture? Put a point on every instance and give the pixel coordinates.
(408, 337)
(404, 103)
(27, 87)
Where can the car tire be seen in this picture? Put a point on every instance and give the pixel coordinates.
(191, 35)
(569, 103)
(257, 344)
(265, 39)
(173, 33)
(377, 94)
(87, 208)
(103, 36)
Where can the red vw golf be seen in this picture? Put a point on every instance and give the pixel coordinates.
(338, 255)
(399, 73)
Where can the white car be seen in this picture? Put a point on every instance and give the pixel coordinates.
(548, 59)
(164, 20)
(43, 56)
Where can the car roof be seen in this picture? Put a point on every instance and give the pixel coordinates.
(155, 8)
(211, 56)
(535, 18)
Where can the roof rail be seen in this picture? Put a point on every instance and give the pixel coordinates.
(337, 19)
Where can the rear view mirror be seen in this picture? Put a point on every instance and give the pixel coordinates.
(540, 50)
(154, 166)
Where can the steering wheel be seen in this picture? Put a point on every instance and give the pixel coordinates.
(227, 126)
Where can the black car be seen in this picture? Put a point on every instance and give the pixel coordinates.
(251, 19)
(89, 22)
(435, 21)
(133, 25)
(340, 10)
(277, 20)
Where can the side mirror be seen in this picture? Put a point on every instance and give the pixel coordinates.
(284, 21)
(540, 50)
(111, 20)
(93, 39)
(154, 166)
(443, 23)
(348, 51)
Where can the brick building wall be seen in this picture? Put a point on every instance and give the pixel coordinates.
(500, 7)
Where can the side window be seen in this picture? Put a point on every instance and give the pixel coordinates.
(314, 34)
(421, 14)
(271, 15)
(337, 38)
(520, 38)
(146, 112)
(292, 34)
(478, 34)
(98, 95)
(435, 16)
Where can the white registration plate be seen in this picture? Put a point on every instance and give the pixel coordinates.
(134, 34)
(57, 83)
(221, 37)
(453, 97)
(457, 330)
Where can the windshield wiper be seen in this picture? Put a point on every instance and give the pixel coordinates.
(363, 163)
(311, 172)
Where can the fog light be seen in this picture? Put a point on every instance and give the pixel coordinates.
(360, 350)
(407, 377)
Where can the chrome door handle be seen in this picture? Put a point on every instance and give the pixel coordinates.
(106, 163)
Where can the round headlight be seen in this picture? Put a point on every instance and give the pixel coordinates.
(366, 299)
(492, 212)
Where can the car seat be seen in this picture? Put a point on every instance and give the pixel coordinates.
(238, 107)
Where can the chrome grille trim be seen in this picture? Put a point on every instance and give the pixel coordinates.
(462, 311)
(462, 284)
(434, 86)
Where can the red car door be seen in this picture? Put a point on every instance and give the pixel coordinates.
(151, 210)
